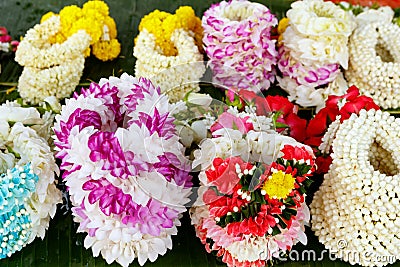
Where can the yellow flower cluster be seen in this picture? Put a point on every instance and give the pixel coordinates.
(283, 24)
(162, 24)
(94, 18)
(279, 185)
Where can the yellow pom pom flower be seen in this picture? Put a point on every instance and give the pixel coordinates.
(69, 15)
(279, 185)
(92, 27)
(94, 18)
(162, 24)
(106, 50)
(282, 25)
(111, 27)
(47, 16)
(98, 6)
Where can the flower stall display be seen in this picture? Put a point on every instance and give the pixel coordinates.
(28, 195)
(239, 45)
(95, 20)
(168, 50)
(125, 169)
(374, 61)
(250, 208)
(356, 210)
(312, 50)
(50, 69)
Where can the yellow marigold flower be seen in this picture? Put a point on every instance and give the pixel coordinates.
(92, 27)
(282, 25)
(162, 24)
(106, 50)
(47, 16)
(112, 27)
(279, 185)
(86, 53)
(92, 14)
(69, 15)
(98, 6)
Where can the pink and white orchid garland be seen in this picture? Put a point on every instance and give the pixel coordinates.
(124, 166)
(237, 37)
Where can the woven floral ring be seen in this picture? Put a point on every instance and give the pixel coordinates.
(28, 194)
(374, 63)
(237, 39)
(250, 213)
(124, 166)
(357, 206)
(50, 69)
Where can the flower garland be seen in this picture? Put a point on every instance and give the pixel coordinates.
(312, 47)
(94, 19)
(162, 25)
(176, 75)
(374, 62)
(168, 50)
(318, 132)
(237, 39)
(50, 70)
(124, 166)
(250, 209)
(357, 202)
(28, 195)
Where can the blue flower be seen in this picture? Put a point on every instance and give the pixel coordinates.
(18, 184)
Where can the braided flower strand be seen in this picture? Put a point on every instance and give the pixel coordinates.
(358, 202)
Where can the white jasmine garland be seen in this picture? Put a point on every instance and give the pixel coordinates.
(374, 64)
(34, 51)
(34, 85)
(176, 75)
(50, 69)
(358, 201)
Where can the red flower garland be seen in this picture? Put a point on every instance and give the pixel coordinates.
(307, 132)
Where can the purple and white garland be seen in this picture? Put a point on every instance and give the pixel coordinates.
(312, 49)
(127, 176)
(237, 37)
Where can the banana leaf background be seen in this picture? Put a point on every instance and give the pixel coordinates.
(62, 246)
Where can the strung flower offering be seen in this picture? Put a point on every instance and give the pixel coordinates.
(125, 169)
(50, 69)
(238, 43)
(312, 48)
(374, 63)
(356, 210)
(28, 195)
(251, 206)
(168, 50)
(95, 20)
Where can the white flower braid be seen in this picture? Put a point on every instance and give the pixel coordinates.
(374, 63)
(358, 201)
